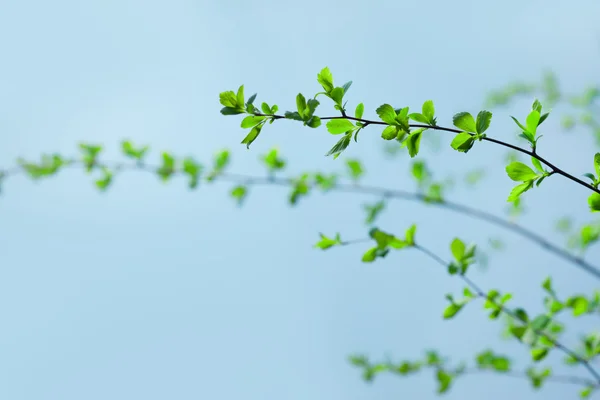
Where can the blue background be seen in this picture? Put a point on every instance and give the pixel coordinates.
(153, 291)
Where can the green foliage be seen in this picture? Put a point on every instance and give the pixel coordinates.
(273, 161)
(464, 256)
(326, 242)
(355, 169)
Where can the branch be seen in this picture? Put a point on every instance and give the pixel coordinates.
(534, 154)
(361, 189)
(480, 293)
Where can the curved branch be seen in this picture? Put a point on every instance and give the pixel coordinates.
(377, 191)
(480, 293)
(554, 168)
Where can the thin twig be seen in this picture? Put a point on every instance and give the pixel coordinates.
(378, 191)
(534, 154)
(586, 364)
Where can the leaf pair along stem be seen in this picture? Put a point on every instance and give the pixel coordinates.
(553, 168)
(369, 190)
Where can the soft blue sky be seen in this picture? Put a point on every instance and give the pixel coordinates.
(152, 292)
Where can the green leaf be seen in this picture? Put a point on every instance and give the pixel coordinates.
(231, 111)
(104, 182)
(360, 109)
(585, 393)
(428, 111)
(458, 249)
(340, 146)
(464, 121)
(337, 94)
(413, 142)
(579, 304)
(597, 164)
(533, 120)
(501, 364)
(228, 99)
(537, 164)
(325, 78)
(419, 118)
(452, 310)
(265, 108)
(522, 127)
(539, 354)
(594, 202)
(420, 172)
(240, 96)
(540, 322)
(410, 235)
(373, 211)
(444, 380)
(301, 105)
(462, 142)
(519, 190)
(356, 169)
(483, 121)
(346, 86)
(326, 242)
(390, 132)
(314, 122)
(167, 168)
(221, 159)
(273, 161)
(387, 114)
(239, 193)
(337, 126)
(130, 151)
(520, 172)
(193, 170)
(370, 255)
(251, 137)
(251, 120)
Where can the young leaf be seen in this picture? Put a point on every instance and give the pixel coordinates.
(337, 126)
(390, 132)
(251, 120)
(325, 78)
(594, 202)
(251, 137)
(458, 249)
(228, 99)
(539, 354)
(444, 380)
(428, 111)
(387, 114)
(537, 164)
(413, 142)
(346, 86)
(419, 118)
(483, 121)
(240, 97)
(518, 190)
(301, 104)
(360, 109)
(265, 108)
(520, 172)
(533, 120)
(340, 146)
(356, 169)
(464, 121)
(326, 242)
(452, 310)
(462, 142)
(239, 193)
(597, 164)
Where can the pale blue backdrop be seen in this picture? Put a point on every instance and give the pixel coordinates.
(151, 291)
